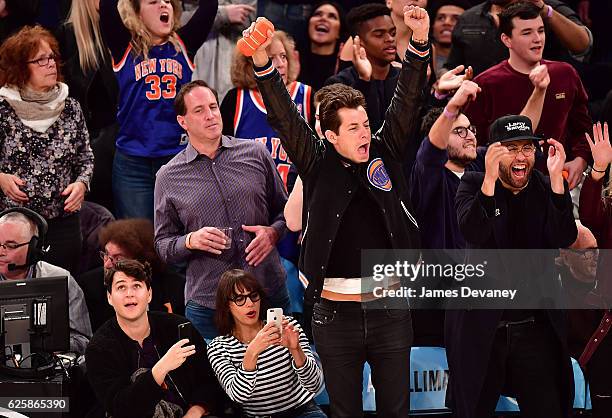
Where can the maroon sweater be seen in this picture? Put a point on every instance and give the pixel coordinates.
(596, 214)
(564, 117)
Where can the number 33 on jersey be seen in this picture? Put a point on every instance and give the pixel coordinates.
(161, 75)
(148, 88)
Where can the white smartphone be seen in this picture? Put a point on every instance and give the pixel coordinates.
(276, 315)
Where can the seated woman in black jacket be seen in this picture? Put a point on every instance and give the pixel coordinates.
(137, 366)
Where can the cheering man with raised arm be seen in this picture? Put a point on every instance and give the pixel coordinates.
(355, 190)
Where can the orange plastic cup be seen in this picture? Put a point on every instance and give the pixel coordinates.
(248, 46)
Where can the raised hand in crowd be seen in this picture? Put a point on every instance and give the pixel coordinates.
(290, 339)
(11, 184)
(539, 77)
(600, 149)
(239, 13)
(172, 360)
(468, 90)
(360, 61)
(75, 193)
(260, 57)
(417, 19)
(3, 10)
(264, 242)
(207, 239)
(451, 80)
(440, 130)
(555, 164)
(495, 153)
(266, 337)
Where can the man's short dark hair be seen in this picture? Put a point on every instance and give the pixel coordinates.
(179, 102)
(522, 10)
(141, 272)
(342, 97)
(429, 119)
(326, 91)
(358, 15)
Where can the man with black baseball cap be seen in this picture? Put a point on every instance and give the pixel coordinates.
(513, 145)
(521, 352)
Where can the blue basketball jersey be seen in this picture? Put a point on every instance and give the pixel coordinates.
(250, 121)
(148, 126)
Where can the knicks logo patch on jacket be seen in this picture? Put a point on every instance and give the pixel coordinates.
(378, 176)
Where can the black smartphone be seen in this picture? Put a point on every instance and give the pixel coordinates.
(185, 330)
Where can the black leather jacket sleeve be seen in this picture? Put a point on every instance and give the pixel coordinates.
(299, 140)
(302, 144)
(401, 121)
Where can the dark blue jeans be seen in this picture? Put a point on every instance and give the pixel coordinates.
(203, 318)
(346, 336)
(133, 185)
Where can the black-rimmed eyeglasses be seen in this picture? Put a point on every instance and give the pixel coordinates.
(240, 300)
(462, 131)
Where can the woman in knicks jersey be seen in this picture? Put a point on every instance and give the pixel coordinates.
(152, 60)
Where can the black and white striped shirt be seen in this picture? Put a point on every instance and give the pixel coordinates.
(275, 385)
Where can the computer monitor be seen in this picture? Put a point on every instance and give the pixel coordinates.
(33, 317)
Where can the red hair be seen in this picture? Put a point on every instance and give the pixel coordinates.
(20, 48)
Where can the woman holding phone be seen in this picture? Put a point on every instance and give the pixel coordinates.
(250, 357)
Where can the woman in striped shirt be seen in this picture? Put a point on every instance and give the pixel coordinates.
(267, 374)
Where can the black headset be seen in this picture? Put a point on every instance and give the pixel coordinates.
(36, 246)
(36, 251)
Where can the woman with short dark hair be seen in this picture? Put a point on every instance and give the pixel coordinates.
(250, 357)
(45, 157)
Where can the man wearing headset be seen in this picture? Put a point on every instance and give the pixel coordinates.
(22, 238)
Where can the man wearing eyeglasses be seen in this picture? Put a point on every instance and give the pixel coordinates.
(450, 149)
(519, 352)
(507, 85)
(16, 232)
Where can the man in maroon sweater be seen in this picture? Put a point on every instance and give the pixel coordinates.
(506, 88)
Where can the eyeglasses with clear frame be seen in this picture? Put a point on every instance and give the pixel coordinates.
(527, 150)
(240, 300)
(462, 131)
(43, 61)
(105, 256)
(12, 246)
